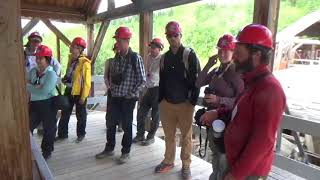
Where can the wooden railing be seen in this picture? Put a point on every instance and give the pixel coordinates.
(41, 170)
(307, 126)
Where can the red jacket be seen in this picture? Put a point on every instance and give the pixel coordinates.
(251, 134)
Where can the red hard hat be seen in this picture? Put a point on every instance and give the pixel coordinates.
(227, 42)
(43, 51)
(123, 33)
(256, 34)
(79, 41)
(173, 28)
(35, 35)
(157, 42)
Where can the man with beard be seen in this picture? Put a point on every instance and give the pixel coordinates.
(251, 129)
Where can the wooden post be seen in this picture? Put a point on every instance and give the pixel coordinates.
(90, 43)
(33, 22)
(266, 12)
(145, 36)
(146, 28)
(15, 151)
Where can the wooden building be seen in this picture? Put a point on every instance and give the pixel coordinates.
(19, 158)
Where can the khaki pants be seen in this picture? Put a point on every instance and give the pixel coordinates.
(173, 116)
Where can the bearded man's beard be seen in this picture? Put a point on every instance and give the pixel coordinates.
(244, 67)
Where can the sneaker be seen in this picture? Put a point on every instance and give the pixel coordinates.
(79, 139)
(40, 132)
(138, 139)
(46, 156)
(60, 138)
(163, 168)
(186, 173)
(104, 154)
(147, 142)
(124, 158)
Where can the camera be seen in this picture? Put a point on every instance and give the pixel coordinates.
(198, 115)
(207, 90)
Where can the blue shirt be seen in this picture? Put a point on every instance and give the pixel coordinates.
(48, 82)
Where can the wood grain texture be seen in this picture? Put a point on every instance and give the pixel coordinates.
(15, 150)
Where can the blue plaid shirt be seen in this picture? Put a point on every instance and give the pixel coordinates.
(134, 77)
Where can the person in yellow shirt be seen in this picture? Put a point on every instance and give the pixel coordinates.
(78, 84)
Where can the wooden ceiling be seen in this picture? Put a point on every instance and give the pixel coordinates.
(61, 10)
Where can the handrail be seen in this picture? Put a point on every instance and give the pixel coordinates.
(42, 166)
(307, 126)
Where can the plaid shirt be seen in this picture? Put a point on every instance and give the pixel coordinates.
(133, 77)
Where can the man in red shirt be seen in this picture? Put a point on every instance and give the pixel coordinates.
(251, 129)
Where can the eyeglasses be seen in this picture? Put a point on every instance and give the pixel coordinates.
(172, 35)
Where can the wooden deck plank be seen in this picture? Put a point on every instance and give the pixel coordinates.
(77, 161)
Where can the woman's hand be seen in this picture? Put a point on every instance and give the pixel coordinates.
(212, 61)
(211, 99)
(208, 117)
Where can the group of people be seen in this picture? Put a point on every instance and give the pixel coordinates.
(42, 85)
(242, 94)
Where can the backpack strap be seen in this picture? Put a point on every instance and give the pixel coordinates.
(185, 59)
(162, 62)
(133, 61)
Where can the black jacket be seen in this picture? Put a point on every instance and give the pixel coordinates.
(173, 85)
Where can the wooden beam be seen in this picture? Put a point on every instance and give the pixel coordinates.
(51, 12)
(56, 31)
(101, 34)
(92, 7)
(15, 151)
(90, 39)
(99, 39)
(136, 8)
(58, 49)
(33, 22)
(266, 12)
(145, 30)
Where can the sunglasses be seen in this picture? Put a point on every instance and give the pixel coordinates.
(172, 35)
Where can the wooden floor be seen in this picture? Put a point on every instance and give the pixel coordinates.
(77, 161)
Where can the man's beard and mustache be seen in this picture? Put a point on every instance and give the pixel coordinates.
(244, 67)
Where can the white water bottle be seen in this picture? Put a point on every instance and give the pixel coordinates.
(218, 128)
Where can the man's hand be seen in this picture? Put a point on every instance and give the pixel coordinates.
(81, 101)
(208, 117)
(211, 99)
(229, 177)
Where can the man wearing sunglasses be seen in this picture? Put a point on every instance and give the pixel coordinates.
(179, 68)
(34, 41)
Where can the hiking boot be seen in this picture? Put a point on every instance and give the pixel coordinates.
(40, 132)
(60, 138)
(124, 158)
(138, 139)
(186, 173)
(163, 168)
(46, 156)
(120, 129)
(105, 153)
(147, 142)
(79, 139)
